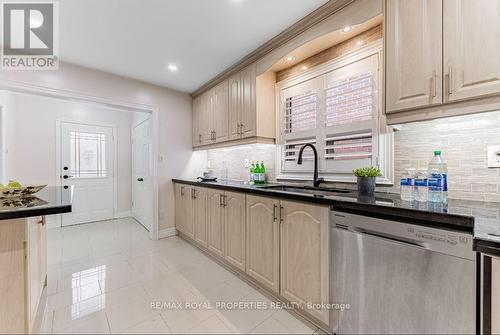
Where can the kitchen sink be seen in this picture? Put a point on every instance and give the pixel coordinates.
(307, 190)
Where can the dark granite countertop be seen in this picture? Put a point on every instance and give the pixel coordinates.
(50, 200)
(475, 217)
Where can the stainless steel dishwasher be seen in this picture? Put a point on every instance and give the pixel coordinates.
(400, 278)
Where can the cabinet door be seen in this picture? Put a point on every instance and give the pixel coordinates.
(413, 54)
(221, 112)
(206, 118)
(183, 210)
(34, 262)
(247, 110)
(263, 241)
(495, 296)
(471, 48)
(200, 215)
(234, 91)
(304, 255)
(235, 212)
(197, 136)
(215, 237)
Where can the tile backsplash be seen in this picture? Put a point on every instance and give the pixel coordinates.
(463, 141)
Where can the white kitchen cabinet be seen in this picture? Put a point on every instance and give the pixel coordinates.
(471, 48)
(413, 54)
(305, 256)
(262, 238)
(220, 117)
(234, 92)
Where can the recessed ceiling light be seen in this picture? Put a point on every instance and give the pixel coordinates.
(290, 58)
(346, 29)
(304, 67)
(172, 67)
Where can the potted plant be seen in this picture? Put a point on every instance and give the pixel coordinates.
(367, 177)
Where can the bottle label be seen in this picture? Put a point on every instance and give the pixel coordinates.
(436, 182)
(407, 182)
(445, 182)
(421, 182)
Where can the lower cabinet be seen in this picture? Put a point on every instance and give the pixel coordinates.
(234, 207)
(495, 296)
(283, 245)
(263, 241)
(23, 272)
(184, 210)
(304, 256)
(199, 216)
(215, 223)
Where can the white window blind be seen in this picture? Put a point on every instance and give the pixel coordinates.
(348, 147)
(350, 100)
(301, 112)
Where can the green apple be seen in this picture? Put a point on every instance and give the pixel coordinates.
(14, 184)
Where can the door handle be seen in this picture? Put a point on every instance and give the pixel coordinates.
(67, 176)
(140, 179)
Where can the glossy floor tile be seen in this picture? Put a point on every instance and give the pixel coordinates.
(109, 277)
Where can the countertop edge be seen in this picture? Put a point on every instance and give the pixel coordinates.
(436, 220)
(26, 213)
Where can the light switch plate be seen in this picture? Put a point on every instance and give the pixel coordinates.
(494, 156)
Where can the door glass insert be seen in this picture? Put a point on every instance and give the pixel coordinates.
(88, 155)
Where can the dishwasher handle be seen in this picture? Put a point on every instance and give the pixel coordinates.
(392, 238)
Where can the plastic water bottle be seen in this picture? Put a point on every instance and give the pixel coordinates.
(407, 186)
(421, 186)
(438, 179)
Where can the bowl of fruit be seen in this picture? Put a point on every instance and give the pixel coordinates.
(14, 189)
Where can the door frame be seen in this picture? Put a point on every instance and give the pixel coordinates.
(114, 132)
(19, 87)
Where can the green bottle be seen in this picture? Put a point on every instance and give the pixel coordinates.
(257, 173)
(262, 173)
(252, 172)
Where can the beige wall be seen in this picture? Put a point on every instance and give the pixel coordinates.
(174, 110)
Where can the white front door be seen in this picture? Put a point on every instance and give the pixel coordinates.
(142, 174)
(87, 163)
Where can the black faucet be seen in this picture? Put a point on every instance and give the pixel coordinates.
(316, 180)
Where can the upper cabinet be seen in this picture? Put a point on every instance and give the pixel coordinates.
(231, 111)
(441, 54)
(413, 51)
(471, 48)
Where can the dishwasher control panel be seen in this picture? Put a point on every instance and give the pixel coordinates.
(439, 240)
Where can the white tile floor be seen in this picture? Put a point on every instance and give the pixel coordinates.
(103, 277)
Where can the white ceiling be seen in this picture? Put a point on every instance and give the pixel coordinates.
(139, 38)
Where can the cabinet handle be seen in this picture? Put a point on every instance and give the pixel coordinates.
(275, 216)
(199, 138)
(434, 84)
(182, 191)
(193, 191)
(281, 214)
(215, 135)
(40, 222)
(241, 129)
(450, 80)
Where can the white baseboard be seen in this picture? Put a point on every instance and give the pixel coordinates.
(164, 233)
(121, 215)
